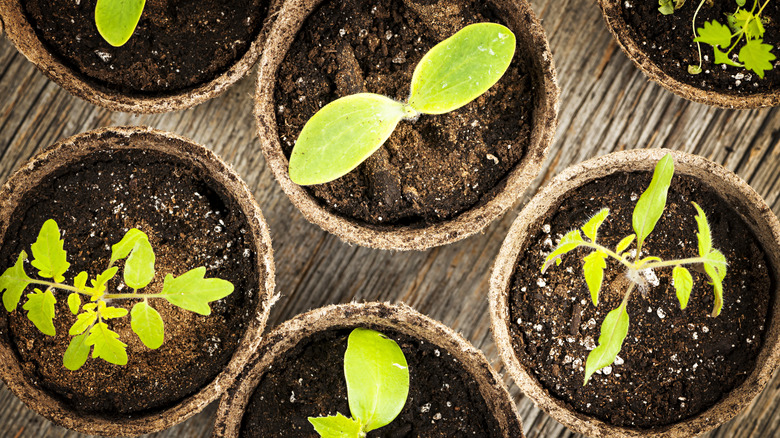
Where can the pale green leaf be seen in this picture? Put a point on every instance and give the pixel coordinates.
(569, 242)
(717, 284)
(704, 236)
(377, 378)
(722, 57)
(13, 281)
(99, 283)
(624, 243)
(107, 345)
(48, 254)
(125, 246)
(461, 68)
(593, 268)
(80, 282)
(83, 321)
(116, 20)
(40, 310)
(112, 312)
(613, 331)
(77, 353)
(74, 302)
(745, 21)
(718, 261)
(666, 7)
(591, 228)
(683, 284)
(651, 204)
(139, 267)
(192, 292)
(147, 324)
(336, 426)
(757, 56)
(714, 34)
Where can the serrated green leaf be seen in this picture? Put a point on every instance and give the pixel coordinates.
(48, 254)
(717, 284)
(139, 267)
(116, 20)
(40, 310)
(591, 228)
(624, 243)
(107, 345)
(718, 262)
(593, 268)
(461, 68)
(336, 426)
(342, 135)
(377, 378)
(650, 205)
(125, 246)
(704, 236)
(613, 332)
(77, 353)
(757, 56)
(714, 34)
(111, 312)
(80, 282)
(569, 242)
(99, 283)
(683, 284)
(192, 292)
(83, 321)
(745, 21)
(723, 58)
(13, 282)
(148, 325)
(74, 302)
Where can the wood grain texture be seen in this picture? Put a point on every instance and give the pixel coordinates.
(606, 105)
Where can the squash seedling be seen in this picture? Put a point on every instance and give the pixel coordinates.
(377, 386)
(190, 291)
(647, 212)
(345, 132)
(116, 20)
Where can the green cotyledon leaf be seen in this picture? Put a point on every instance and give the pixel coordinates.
(613, 332)
(147, 324)
(461, 68)
(191, 291)
(651, 203)
(377, 378)
(13, 282)
(336, 426)
(40, 310)
(342, 135)
(49, 256)
(139, 266)
(116, 20)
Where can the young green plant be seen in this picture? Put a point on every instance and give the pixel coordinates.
(190, 291)
(345, 132)
(116, 20)
(377, 386)
(647, 212)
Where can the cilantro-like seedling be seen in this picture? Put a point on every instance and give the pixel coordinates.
(91, 331)
(116, 20)
(377, 386)
(744, 29)
(647, 212)
(345, 132)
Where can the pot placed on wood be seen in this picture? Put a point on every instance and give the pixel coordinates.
(679, 372)
(438, 179)
(196, 212)
(298, 372)
(180, 55)
(664, 48)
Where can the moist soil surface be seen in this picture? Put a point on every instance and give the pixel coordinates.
(177, 44)
(430, 169)
(190, 223)
(668, 40)
(308, 381)
(674, 363)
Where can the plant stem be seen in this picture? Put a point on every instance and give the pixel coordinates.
(610, 253)
(129, 296)
(59, 286)
(698, 44)
(667, 263)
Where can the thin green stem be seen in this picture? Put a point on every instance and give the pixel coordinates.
(628, 294)
(129, 296)
(698, 47)
(59, 286)
(688, 261)
(610, 253)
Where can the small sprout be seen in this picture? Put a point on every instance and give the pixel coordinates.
(116, 20)
(345, 132)
(667, 7)
(647, 212)
(377, 386)
(190, 291)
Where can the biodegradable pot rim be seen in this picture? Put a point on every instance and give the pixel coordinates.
(750, 206)
(610, 10)
(399, 317)
(69, 151)
(281, 36)
(24, 38)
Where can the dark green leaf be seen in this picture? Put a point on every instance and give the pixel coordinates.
(13, 281)
(192, 292)
(48, 254)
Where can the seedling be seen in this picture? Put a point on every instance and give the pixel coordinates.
(190, 291)
(347, 131)
(116, 20)
(647, 212)
(377, 386)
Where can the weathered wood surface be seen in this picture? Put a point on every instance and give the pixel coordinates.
(606, 105)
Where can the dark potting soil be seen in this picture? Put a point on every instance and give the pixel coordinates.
(308, 381)
(674, 363)
(190, 223)
(668, 40)
(433, 168)
(177, 44)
